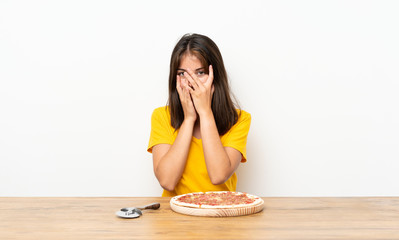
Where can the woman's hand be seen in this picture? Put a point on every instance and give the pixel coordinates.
(185, 99)
(201, 91)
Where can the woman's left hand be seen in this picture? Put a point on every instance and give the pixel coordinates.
(201, 91)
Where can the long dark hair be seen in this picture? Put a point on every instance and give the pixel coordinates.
(223, 108)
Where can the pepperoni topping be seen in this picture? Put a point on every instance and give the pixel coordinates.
(217, 199)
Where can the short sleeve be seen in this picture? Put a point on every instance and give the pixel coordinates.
(161, 130)
(236, 137)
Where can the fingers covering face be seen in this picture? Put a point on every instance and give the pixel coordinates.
(210, 77)
(182, 85)
(190, 81)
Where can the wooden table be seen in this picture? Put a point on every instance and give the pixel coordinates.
(282, 218)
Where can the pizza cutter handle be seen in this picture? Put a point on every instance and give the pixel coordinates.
(150, 206)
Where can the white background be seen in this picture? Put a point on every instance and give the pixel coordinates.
(79, 81)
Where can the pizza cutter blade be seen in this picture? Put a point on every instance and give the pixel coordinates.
(129, 213)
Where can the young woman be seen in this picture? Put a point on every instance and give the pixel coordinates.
(199, 139)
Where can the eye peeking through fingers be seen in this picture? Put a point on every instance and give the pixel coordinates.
(181, 74)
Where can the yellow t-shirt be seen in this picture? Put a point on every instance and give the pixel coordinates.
(195, 177)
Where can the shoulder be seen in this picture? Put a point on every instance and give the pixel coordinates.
(243, 116)
(161, 112)
(236, 137)
(243, 123)
(161, 116)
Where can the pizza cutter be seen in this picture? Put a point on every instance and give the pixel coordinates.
(135, 212)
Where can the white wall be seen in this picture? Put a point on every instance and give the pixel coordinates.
(79, 80)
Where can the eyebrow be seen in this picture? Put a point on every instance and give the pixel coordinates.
(181, 69)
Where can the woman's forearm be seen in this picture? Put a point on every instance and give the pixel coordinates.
(218, 162)
(170, 165)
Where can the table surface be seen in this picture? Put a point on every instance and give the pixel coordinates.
(282, 218)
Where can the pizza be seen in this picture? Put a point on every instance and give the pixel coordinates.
(216, 200)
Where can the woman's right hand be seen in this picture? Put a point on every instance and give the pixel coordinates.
(185, 98)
